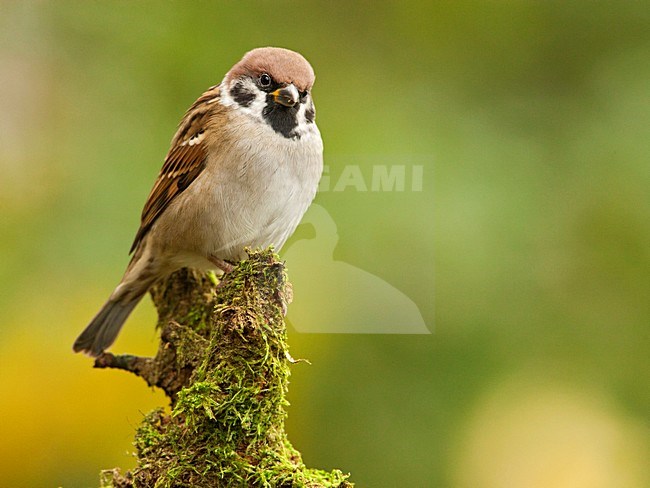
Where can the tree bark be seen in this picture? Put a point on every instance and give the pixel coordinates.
(224, 363)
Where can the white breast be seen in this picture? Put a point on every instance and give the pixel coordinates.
(253, 194)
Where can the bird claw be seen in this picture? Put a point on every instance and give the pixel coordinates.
(222, 264)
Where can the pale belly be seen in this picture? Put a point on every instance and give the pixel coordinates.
(218, 216)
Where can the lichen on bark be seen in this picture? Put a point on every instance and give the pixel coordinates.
(224, 363)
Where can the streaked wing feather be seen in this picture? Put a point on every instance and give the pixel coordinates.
(184, 162)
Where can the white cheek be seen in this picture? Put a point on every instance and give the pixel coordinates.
(256, 106)
(306, 129)
(255, 109)
(224, 94)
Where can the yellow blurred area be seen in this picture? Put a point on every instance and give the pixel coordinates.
(532, 433)
(519, 237)
(56, 410)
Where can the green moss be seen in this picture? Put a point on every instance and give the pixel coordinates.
(226, 425)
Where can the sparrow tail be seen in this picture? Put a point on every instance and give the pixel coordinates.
(104, 327)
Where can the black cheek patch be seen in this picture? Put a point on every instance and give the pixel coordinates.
(242, 96)
(310, 114)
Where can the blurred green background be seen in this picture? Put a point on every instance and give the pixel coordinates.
(527, 250)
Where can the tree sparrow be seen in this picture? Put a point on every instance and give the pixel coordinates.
(242, 169)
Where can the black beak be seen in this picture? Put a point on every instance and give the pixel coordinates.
(287, 95)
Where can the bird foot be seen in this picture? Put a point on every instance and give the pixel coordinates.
(223, 265)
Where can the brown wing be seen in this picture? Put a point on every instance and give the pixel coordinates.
(184, 162)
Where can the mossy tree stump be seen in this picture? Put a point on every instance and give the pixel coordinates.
(224, 363)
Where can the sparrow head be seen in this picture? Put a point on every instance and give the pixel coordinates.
(274, 86)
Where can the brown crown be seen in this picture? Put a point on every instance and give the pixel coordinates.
(283, 65)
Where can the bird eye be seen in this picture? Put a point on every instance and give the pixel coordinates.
(265, 80)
